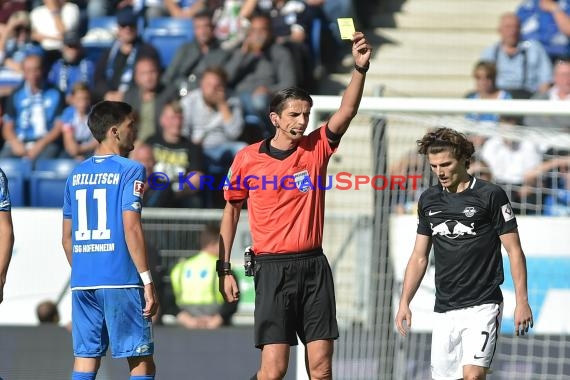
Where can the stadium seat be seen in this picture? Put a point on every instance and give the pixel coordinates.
(47, 182)
(21, 166)
(165, 44)
(17, 171)
(61, 167)
(171, 26)
(108, 23)
(101, 32)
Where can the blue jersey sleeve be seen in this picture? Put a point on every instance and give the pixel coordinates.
(134, 188)
(67, 200)
(5, 204)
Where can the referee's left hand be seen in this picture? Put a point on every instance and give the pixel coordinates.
(229, 288)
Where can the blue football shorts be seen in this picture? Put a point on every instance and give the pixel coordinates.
(103, 316)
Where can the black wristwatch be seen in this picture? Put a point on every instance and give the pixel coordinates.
(223, 268)
(362, 69)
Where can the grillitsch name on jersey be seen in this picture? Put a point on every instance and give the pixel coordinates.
(93, 248)
(95, 179)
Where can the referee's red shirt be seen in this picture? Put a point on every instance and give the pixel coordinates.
(285, 202)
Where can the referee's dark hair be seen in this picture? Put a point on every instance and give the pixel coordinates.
(448, 139)
(281, 98)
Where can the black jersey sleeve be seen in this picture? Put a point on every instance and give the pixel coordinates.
(504, 219)
(424, 227)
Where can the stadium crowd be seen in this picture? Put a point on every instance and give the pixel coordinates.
(199, 74)
(530, 60)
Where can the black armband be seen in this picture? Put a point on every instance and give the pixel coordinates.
(334, 137)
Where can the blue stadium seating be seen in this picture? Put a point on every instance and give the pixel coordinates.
(47, 181)
(166, 45)
(17, 171)
(102, 22)
(171, 26)
(60, 167)
(166, 34)
(100, 36)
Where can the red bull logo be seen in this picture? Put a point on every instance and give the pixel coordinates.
(452, 229)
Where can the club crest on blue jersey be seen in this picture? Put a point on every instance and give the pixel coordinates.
(302, 181)
(469, 211)
(138, 189)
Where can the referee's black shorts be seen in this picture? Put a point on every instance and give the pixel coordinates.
(294, 295)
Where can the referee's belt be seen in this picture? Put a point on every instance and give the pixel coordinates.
(268, 256)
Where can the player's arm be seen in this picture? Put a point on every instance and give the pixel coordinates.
(66, 240)
(415, 271)
(523, 313)
(6, 246)
(228, 226)
(134, 237)
(340, 120)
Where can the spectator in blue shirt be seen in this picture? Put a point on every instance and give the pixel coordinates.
(523, 67)
(114, 71)
(30, 116)
(15, 44)
(547, 21)
(73, 67)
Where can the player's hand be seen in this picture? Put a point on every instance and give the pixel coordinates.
(229, 288)
(404, 315)
(361, 49)
(1, 292)
(523, 319)
(151, 300)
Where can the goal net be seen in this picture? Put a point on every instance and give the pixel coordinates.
(531, 163)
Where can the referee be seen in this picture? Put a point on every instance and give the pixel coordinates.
(294, 291)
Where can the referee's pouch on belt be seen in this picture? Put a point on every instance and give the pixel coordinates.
(249, 261)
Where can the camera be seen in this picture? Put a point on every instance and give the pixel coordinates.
(248, 261)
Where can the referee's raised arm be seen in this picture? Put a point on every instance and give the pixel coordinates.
(361, 51)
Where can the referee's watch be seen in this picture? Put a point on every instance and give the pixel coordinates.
(223, 268)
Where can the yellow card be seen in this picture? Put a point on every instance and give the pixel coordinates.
(346, 27)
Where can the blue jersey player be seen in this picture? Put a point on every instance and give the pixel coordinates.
(113, 296)
(6, 231)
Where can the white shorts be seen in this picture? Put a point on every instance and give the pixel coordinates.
(464, 337)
